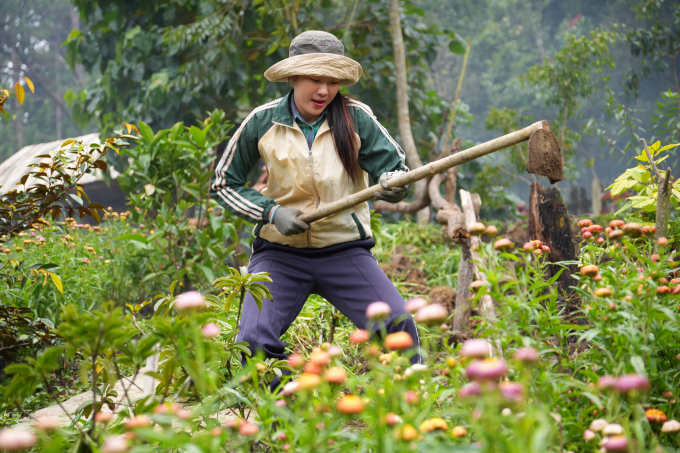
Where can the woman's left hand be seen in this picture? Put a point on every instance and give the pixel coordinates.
(393, 195)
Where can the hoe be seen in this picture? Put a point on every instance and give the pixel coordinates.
(545, 159)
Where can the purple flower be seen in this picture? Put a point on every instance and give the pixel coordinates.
(487, 370)
(630, 382)
(86, 261)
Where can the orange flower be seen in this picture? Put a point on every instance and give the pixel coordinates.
(335, 375)
(359, 336)
(590, 270)
(656, 416)
(350, 404)
(503, 244)
(398, 341)
(458, 431)
(308, 381)
(434, 423)
(604, 292)
(407, 433)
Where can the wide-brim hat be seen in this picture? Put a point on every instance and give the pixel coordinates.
(316, 53)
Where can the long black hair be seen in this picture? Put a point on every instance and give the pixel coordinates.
(344, 135)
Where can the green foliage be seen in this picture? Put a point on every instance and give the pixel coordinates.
(190, 237)
(21, 331)
(645, 182)
(239, 282)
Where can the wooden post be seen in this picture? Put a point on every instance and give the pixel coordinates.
(486, 306)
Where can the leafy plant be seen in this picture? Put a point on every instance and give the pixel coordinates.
(239, 282)
(644, 180)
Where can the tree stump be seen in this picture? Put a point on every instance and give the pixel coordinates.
(549, 223)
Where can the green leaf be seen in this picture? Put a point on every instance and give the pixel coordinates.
(198, 135)
(667, 147)
(131, 237)
(18, 368)
(209, 275)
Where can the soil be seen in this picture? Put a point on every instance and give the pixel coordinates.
(443, 295)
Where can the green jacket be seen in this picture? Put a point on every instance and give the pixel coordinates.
(300, 177)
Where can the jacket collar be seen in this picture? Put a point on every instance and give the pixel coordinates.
(282, 113)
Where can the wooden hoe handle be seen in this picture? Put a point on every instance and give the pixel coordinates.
(425, 171)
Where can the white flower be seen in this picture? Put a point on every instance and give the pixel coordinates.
(612, 429)
(598, 424)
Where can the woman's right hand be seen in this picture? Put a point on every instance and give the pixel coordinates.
(287, 222)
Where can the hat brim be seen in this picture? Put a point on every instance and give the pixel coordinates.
(339, 67)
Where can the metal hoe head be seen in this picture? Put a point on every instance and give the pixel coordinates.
(545, 157)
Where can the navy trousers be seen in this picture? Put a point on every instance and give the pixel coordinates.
(347, 275)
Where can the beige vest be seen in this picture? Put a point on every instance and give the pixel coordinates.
(307, 180)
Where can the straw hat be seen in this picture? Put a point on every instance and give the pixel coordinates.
(316, 53)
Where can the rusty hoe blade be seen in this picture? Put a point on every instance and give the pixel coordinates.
(545, 157)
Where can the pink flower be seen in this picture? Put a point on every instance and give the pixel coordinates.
(470, 389)
(86, 261)
(527, 355)
(189, 301)
(588, 435)
(487, 370)
(211, 330)
(630, 382)
(475, 348)
(511, 391)
(432, 314)
(334, 350)
(415, 304)
(46, 423)
(16, 439)
(606, 381)
(616, 443)
(378, 311)
(115, 444)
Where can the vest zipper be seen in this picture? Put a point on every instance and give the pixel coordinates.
(316, 191)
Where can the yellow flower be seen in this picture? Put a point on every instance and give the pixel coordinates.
(432, 424)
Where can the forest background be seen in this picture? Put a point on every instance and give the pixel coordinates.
(596, 70)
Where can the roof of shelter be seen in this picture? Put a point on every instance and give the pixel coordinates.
(16, 166)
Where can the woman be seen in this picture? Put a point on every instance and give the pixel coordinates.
(318, 147)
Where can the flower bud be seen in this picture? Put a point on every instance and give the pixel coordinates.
(477, 229)
(612, 429)
(631, 382)
(671, 427)
(432, 314)
(378, 311)
(433, 424)
(415, 304)
(511, 391)
(590, 270)
(296, 361)
(491, 230)
(458, 431)
(392, 419)
(359, 336)
(585, 223)
(115, 444)
(46, 423)
(503, 244)
(335, 375)
(603, 292)
(616, 223)
(662, 241)
(633, 230)
(588, 435)
(616, 443)
(470, 389)
(598, 424)
(527, 355)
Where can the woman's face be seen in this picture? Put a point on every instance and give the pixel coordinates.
(313, 94)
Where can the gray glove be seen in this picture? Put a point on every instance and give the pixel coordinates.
(393, 195)
(286, 221)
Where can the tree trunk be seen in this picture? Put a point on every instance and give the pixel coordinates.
(403, 115)
(463, 294)
(662, 205)
(16, 73)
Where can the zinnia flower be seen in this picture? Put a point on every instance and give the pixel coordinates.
(415, 304)
(616, 443)
(656, 416)
(631, 382)
(432, 314)
(359, 336)
(398, 341)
